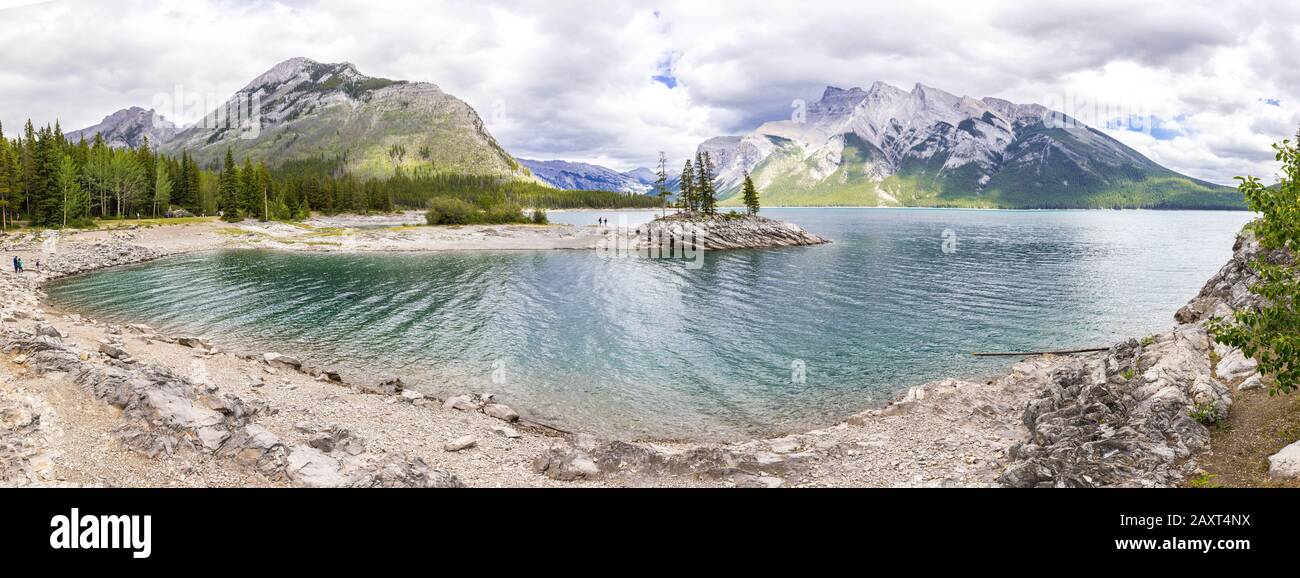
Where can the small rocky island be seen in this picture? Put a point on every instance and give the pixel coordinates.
(722, 232)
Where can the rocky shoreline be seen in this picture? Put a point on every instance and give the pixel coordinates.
(1120, 418)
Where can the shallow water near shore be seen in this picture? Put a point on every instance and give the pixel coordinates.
(753, 342)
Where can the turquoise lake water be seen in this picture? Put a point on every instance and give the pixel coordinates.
(658, 349)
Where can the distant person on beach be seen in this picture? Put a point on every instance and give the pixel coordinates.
(16, 270)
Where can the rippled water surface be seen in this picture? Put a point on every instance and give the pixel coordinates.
(657, 349)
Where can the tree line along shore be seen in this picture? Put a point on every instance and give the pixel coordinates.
(46, 180)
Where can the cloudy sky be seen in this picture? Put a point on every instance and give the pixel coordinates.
(614, 82)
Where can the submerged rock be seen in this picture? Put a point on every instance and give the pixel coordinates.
(501, 412)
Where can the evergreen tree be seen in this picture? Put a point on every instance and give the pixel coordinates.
(8, 179)
(75, 199)
(45, 199)
(250, 199)
(686, 197)
(162, 189)
(750, 195)
(184, 196)
(148, 166)
(198, 201)
(27, 166)
(661, 182)
(228, 189)
(706, 200)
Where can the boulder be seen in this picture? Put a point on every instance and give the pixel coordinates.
(461, 443)
(1234, 365)
(112, 350)
(460, 402)
(566, 465)
(309, 467)
(50, 331)
(284, 361)
(1252, 382)
(193, 342)
(506, 431)
(1286, 463)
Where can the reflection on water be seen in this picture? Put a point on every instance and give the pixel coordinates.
(652, 348)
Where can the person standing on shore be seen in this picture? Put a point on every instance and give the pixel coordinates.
(15, 263)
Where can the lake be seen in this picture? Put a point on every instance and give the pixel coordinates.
(751, 342)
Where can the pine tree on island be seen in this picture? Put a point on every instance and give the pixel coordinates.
(705, 189)
(661, 182)
(750, 195)
(686, 198)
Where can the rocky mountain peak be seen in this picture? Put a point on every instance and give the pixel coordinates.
(128, 128)
(889, 146)
(302, 108)
(838, 102)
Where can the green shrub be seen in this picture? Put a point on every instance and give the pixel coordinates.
(1206, 413)
(453, 211)
(1269, 334)
(539, 217)
(504, 213)
(82, 223)
(449, 211)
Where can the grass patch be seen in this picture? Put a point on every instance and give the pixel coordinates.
(120, 223)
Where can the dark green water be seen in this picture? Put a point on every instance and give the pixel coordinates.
(657, 349)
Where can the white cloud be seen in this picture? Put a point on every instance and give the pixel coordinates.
(572, 79)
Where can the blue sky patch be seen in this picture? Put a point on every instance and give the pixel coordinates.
(1158, 128)
(666, 75)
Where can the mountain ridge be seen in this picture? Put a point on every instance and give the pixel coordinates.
(128, 128)
(569, 175)
(885, 146)
(331, 114)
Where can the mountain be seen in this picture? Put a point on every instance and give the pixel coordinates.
(312, 111)
(588, 177)
(128, 128)
(890, 147)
